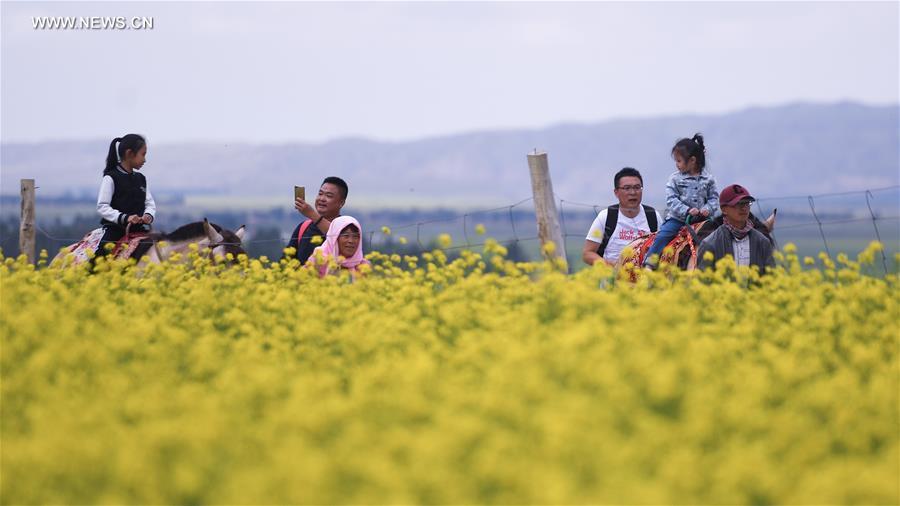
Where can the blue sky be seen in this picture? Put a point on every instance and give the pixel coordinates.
(297, 71)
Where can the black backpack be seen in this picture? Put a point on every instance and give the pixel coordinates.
(612, 218)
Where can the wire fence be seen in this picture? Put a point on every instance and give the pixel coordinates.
(848, 220)
(843, 221)
(509, 224)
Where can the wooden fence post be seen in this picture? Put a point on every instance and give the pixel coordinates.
(545, 207)
(26, 226)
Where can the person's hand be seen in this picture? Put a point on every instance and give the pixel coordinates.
(147, 219)
(135, 219)
(694, 211)
(704, 212)
(305, 209)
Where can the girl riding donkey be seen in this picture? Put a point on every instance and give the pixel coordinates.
(690, 193)
(127, 208)
(124, 203)
(690, 196)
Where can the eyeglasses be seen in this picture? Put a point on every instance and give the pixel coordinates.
(742, 205)
(632, 188)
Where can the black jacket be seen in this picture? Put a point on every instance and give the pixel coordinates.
(129, 195)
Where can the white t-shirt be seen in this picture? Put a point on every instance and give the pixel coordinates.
(627, 229)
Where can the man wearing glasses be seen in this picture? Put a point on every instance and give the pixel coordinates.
(619, 224)
(737, 236)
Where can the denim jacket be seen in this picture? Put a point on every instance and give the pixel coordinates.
(684, 191)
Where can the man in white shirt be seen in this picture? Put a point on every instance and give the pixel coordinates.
(619, 224)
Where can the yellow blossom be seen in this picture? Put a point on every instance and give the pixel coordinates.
(255, 381)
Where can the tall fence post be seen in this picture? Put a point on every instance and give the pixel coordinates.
(544, 205)
(26, 226)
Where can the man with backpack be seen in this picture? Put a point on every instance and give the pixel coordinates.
(327, 206)
(621, 223)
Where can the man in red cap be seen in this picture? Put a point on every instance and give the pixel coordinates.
(736, 236)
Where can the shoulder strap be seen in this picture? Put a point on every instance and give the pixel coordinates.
(612, 218)
(305, 225)
(651, 218)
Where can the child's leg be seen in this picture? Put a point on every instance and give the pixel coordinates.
(110, 235)
(666, 233)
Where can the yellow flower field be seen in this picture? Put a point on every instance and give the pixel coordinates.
(429, 381)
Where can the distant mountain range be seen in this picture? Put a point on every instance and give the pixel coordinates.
(775, 151)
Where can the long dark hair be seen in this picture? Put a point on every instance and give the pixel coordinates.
(134, 142)
(691, 147)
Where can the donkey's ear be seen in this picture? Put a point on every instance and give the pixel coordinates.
(770, 221)
(214, 237)
(158, 252)
(240, 232)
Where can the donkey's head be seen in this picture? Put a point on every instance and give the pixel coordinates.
(223, 242)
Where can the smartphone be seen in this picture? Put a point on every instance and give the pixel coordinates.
(299, 192)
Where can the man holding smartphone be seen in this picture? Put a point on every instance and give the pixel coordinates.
(327, 206)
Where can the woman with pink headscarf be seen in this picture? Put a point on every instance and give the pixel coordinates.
(343, 246)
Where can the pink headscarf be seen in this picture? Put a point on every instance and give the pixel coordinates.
(330, 249)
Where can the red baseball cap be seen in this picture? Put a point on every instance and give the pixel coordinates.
(734, 193)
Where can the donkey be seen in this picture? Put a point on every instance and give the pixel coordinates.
(156, 247)
(685, 245)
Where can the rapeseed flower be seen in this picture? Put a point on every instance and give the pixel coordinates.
(436, 379)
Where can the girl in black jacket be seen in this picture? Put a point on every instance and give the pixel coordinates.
(124, 198)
